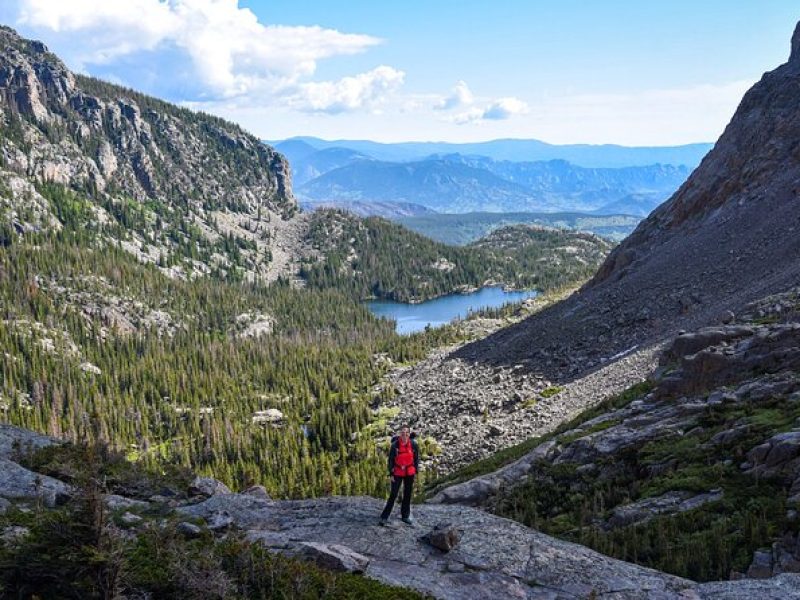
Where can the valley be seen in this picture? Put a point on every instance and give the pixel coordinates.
(197, 402)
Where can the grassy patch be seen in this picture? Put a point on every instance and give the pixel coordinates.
(551, 391)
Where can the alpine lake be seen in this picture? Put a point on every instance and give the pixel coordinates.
(411, 318)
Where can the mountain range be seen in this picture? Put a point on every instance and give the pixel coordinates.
(351, 178)
(514, 150)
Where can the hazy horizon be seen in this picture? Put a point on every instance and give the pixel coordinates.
(474, 142)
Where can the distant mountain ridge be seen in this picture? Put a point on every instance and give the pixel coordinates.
(464, 228)
(520, 150)
(458, 184)
(443, 186)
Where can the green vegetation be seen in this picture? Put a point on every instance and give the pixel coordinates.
(705, 543)
(550, 391)
(184, 387)
(75, 552)
(374, 258)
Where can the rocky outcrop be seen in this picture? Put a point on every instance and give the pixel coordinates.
(18, 483)
(779, 456)
(127, 153)
(16, 440)
(207, 486)
(782, 557)
(667, 504)
(736, 365)
(80, 131)
(495, 558)
(725, 400)
(717, 356)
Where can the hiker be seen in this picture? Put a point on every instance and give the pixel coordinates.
(403, 465)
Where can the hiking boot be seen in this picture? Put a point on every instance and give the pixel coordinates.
(408, 521)
(383, 522)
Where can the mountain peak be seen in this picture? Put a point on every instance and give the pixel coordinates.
(795, 55)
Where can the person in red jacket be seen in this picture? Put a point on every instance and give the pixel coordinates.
(403, 465)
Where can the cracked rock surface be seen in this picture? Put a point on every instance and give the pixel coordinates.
(495, 557)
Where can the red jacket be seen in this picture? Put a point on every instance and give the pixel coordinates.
(403, 458)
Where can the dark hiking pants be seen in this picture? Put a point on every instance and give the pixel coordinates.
(405, 506)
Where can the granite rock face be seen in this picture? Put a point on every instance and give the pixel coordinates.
(501, 558)
(495, 557)
(122, 150)
(18, 483)
(109, 135)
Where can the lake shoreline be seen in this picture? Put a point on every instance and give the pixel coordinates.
(412, 317)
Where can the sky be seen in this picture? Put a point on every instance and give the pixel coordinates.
(563, 71)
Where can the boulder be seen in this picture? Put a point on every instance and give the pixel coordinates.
(17, 482)
(207, 486)
(115, 502)
(761, 567)
(270, 416)
(335, 557)
(257, 491)
(13, 534)
(131, 520)
(444, 536)
(778, 456)
(13, 439)
(188, 530)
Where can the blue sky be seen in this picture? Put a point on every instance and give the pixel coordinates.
(566, 71)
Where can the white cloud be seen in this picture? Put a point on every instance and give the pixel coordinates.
(505, 108)
(460, 96)
(497, 110)
(365, 90)
(230, 51)
(647, 117)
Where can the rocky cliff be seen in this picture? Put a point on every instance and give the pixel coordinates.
(166, 175)
(749, 181)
